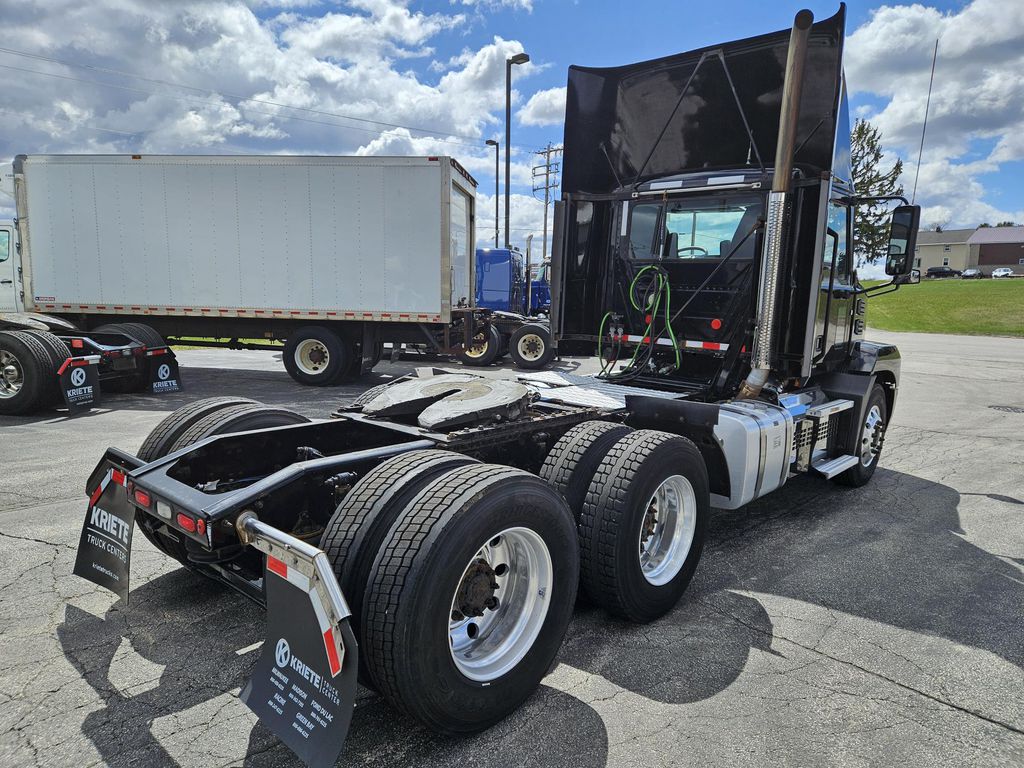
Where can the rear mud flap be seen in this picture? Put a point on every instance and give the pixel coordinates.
(164, 376)
(80, 383)
(304, 685)
(105, 547)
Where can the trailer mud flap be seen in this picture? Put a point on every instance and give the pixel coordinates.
(80, 383)
(303, 686)
(105, 547)
(163, 371)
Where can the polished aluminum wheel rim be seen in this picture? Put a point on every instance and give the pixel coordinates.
(531, 347)
(517, 568)
(872, 430)
(667, 529)
(312, 357)
(12, 376)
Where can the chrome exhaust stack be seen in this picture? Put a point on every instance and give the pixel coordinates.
(771, 255)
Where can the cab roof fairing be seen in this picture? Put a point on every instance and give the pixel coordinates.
(614, 115)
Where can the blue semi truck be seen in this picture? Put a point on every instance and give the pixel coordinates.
(518, 328)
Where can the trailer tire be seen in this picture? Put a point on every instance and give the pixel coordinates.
(429, 569)
(571, 463)
(530, 346)
(26, 371)
(160, 439)
(144, 334)
(237, 418)
(876, 417)
(644, 468)
(59, 354)
(361, 522)
(485, 351)
(317, 356)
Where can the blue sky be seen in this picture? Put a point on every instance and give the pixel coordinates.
(137, 76)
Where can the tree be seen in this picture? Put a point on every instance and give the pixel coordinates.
(871, 228)
(1006, 224)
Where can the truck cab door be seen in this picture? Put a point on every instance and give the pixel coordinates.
(8, 270)
(835, 303)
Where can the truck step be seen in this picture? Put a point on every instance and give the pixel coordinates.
(832, 467)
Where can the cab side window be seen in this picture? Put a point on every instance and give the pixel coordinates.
(5, 245)
(837, 245)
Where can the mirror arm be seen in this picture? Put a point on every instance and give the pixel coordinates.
(861, 199)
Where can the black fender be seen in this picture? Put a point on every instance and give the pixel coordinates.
(874, 358)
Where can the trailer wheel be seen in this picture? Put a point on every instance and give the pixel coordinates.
(316, 356)
(570, 465)
(872, 433)
(159, 441)
(485, 348)
(362, 520)
(470, 597)
(26, 373)
(530, 346)
(642, 526)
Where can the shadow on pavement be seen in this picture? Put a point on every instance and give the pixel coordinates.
(892, 552)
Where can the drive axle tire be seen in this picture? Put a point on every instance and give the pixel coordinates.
(159, 441)
(872, 433)
(470, 597)
(361, 522)
(643, 523)
(485, 349)
(572, 462)
(317, 356)
(195, 422)
(58, 356)
(27, 373)
(530, 346)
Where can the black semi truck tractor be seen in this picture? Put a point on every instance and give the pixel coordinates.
(430, 538)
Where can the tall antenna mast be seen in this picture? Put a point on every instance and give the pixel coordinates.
(924, 127)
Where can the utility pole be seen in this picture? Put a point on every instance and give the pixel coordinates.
(545, 178)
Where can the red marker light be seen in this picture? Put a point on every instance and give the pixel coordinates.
(716, 323)
(201, 527)
(77, 344)
(142, 497)
(186, 522)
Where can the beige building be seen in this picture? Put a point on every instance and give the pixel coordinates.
(944, 249)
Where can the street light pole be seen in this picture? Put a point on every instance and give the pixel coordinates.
(519, 58)
(493, 143)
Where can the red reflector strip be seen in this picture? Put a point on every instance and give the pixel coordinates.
(96, 494)
(155, 352)
(117, 476)
(64, 366)
(277, 566)
(332, 652)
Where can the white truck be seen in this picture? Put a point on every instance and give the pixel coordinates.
(334, 256)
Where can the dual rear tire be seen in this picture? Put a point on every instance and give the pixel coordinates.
(29, 361)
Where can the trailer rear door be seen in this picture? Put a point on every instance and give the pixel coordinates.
(460, 233)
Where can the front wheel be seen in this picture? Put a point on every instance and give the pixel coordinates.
(470, 597)
(869, 447)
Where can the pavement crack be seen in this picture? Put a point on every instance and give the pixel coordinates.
(845, 662)
(35, 540)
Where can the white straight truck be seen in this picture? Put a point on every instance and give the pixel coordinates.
(334, 256)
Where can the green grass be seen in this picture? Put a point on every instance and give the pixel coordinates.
(968, 307)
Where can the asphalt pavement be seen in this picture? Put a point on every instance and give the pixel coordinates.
(825, 625)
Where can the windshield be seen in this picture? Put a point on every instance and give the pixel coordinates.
(693, 228)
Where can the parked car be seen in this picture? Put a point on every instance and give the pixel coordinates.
(972, 274)
(1003, 272)
(935, 272)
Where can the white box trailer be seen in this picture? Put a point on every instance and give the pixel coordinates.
(334, 256)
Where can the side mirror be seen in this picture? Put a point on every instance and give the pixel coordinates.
(902, 240)
(911, 279)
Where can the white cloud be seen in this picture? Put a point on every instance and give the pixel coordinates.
(544, 108)
(522, 5)
(978, 99)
